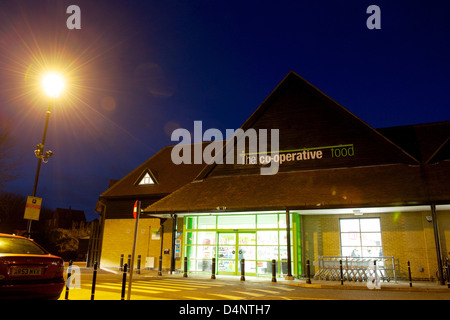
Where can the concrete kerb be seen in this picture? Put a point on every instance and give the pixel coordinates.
(417, 286)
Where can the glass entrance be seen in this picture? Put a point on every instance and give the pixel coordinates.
(231, 248)
(258, 238)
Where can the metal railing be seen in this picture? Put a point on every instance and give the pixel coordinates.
(355, 268)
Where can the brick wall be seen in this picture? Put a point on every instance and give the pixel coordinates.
(118, 237)
(407, 236)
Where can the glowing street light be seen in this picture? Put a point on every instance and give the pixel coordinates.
(53, 85)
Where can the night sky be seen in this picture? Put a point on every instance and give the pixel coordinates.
(137, 70)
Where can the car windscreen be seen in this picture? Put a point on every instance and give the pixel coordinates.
(19, 246)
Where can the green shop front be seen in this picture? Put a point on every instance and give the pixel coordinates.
(258, 238)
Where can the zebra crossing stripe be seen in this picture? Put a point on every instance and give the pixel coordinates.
(227, 296)
(253, 294)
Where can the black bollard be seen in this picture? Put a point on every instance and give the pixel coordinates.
(121, 263)
(213, 268)
(138, 270)
(242, 269)
(409, 274)
(160, 266)
(69, 274)
(124, 281)
(185, 267)
(274, 270)
(308, 273)
(94, 279)
(341, 272)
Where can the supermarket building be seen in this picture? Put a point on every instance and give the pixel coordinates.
(344, 189)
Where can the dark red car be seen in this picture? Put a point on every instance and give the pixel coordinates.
(28, 271)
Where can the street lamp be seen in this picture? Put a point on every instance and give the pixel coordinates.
(53, 85)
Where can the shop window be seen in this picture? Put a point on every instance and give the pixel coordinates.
(207, 222)
(361, 237)
(267, 221)
(206, 238)
(228, 238)
(236, 222)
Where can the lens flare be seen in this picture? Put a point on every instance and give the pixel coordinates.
(53, 84)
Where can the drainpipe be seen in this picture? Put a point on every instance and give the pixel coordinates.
(174, 236)
(437, 243)
(288, 239)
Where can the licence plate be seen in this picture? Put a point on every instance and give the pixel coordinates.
(20, 271)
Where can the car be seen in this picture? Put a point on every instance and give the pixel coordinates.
(27, 270)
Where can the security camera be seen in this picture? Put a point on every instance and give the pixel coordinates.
(429, 218)
(48, 154)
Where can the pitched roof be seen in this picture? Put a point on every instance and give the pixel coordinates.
(389, 185)
(308, 118)
(381, 173)
(168, 176)
(422, 141)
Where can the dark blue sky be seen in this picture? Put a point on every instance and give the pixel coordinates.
(139, 69)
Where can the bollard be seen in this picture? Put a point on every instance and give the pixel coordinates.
(409, 274)
(138, 270)
(69, 273)
(129, 262)
(160, 266)
(341, 272)
(242, 269)
(274, 270)
(213, 268)
(124, 281)
(185, 267)
(308, 273)
(94, 279)
(121, 263)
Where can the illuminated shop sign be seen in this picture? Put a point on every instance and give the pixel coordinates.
(304, 154)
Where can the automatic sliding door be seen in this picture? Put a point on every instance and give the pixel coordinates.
(247, 251)
(226, 253)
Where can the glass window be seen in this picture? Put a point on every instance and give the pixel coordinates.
(350, 239)
(207, 222)
(206, 238)
(247, 238)
(267, 252)
(191, 223)
(19, 246)
(361, 237)
(146, 180)
(206, 252)
(350, 225)
(236, 222)
(191, 237)
(228, 238)
(267, 237)
(267, 221)
(370, 225)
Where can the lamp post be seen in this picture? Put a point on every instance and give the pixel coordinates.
(52, 84)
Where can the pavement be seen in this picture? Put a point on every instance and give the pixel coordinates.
(400, 285)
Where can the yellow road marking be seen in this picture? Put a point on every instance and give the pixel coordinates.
(227, 296)
(249, 293)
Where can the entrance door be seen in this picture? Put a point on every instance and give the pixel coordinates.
(231, 248)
